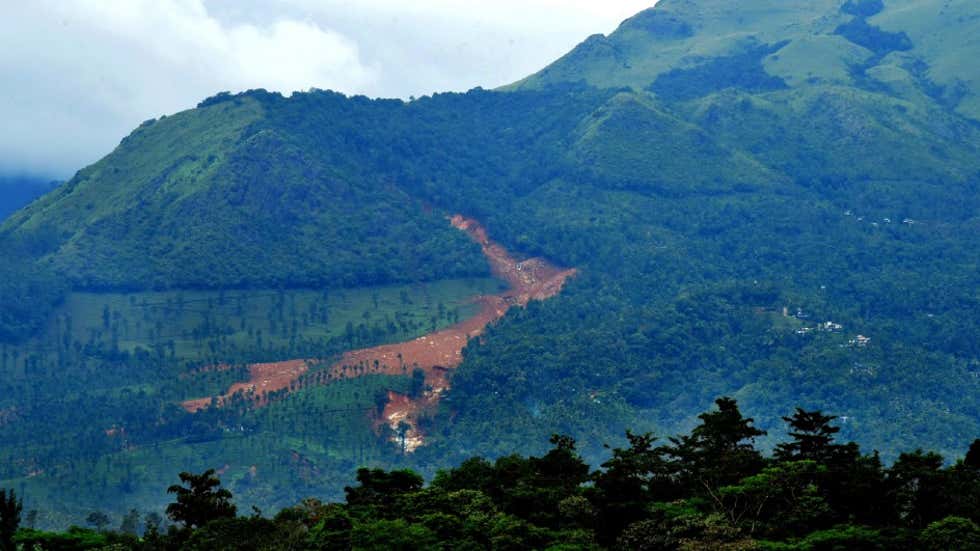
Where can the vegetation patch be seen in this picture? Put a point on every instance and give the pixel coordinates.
(863, 8)
(743, 71)
(660, 23)
(879, 41)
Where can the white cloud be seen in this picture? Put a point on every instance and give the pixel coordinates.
(85, 72)
(80, 74)
(433, 45)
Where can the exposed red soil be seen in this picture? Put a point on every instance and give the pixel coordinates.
(437, 354)
(402, 409)
(533, 279)
(263, 379)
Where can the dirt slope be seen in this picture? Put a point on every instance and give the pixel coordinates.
(437, 354)
(263, 379)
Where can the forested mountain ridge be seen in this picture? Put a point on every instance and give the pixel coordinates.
(771, 200)
(163, 209)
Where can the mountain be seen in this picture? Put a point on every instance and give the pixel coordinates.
(218, 196)
(907, 48)
(771, 200)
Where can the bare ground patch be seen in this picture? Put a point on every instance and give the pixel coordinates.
(437, 354)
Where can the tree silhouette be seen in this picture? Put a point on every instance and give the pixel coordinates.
(812, 437)
(98, 519)
(630, 479)
(973, 455)
(10, 508)
(130, 522)
(916, 481)
(201, 501)
(152, 522)
(379, 488)
(31, 518)
(719, 451)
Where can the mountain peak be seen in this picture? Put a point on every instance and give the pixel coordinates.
(897, 48)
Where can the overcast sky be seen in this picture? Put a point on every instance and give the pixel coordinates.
(78, 75)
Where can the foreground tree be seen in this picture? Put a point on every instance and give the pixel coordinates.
(378, 489)
(812, 435)
(818, 496)
(31, 518)
(782, 500)
(130, 523)
(852, 484)
(631, 479)
(10, 508)
(152, 521)
(201, 501)
(951, 533)
(916, 481)
(718, 452)
(972, 459)
(98, 519)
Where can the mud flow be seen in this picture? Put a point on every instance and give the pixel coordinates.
(437, 354)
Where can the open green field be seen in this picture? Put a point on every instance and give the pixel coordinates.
(192, 323)
(193, 329)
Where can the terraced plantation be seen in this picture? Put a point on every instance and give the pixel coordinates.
(197, 327)
(429, 358)
(141, 354)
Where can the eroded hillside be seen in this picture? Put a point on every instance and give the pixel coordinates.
(436, 354)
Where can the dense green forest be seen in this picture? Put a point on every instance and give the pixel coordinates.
(709, 489)
(779, 204)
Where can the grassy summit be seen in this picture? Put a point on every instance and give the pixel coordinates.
(907, 47)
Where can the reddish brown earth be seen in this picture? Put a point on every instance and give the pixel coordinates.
(263, 379)
(437, 354)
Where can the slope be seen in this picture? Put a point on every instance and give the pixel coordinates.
(219, 197)
(909, 48)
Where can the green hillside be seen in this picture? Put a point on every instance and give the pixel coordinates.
(907, 47)
(772, 200)
(218, 197)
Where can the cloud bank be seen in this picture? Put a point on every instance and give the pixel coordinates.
(80, 74)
